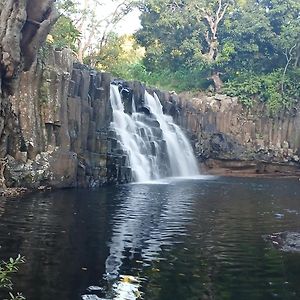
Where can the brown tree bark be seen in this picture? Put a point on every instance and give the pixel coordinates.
(213, 21)
(24, 25)
(218, 83)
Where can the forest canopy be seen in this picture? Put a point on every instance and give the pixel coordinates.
(245, 48)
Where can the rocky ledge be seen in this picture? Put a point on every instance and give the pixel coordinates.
(228, 135)
(250, 168)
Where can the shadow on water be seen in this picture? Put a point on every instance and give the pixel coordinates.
(175, 239)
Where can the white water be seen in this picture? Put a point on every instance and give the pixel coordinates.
(156, 147)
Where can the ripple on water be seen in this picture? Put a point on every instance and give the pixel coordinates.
(191, 239)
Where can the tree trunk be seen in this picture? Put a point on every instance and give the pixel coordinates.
(218, 83)
(213, 50)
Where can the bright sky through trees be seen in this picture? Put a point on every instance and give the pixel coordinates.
(128, 25)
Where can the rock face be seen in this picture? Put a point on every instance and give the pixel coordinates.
(227, 134)
(62, 134)
(63, 115)
(24, 26)
(55, 128)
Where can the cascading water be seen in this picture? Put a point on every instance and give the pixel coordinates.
(180, 152)
(156, 147)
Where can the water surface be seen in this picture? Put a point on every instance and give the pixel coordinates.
(177, 239)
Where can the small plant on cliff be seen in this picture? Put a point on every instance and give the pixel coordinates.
(7, 269)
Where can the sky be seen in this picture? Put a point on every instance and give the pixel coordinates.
(128, 25)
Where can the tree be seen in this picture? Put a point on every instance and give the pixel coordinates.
(117, 56)
(221, 37)
(24, 26)
(64, 34)
(186, 33)
(89, 26)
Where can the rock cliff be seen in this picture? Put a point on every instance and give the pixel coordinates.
(24, 26)
(230, 136)
(56, 128)
(63, 116)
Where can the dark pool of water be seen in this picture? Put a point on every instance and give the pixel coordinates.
(192, 239)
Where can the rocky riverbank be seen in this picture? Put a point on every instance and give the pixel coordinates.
(249, 168)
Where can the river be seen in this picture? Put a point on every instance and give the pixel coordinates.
(192, 239)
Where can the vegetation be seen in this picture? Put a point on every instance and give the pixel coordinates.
(266, 88)
(252, 45)
(246, 48)
(7, 269)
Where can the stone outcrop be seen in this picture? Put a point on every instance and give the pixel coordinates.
(228, 135)
(285, 241)
(24, 26)
(61, 135)
(63, 114)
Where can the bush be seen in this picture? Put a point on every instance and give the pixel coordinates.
(180, 80)
(7, 269)
(277, 92)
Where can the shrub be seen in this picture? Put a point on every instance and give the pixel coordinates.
(276, 91)
(7, 269)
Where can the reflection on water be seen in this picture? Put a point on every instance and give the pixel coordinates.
(2, 206)
(148, 219)
(191, 239)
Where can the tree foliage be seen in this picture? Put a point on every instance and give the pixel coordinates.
(64, 34)
(248, 48)
(85, 26)
(234, 39)
(117, 55)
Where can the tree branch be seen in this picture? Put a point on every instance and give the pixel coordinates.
(288, 55)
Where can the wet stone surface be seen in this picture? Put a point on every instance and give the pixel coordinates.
(285, 241)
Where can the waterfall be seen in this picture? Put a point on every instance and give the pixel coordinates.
(155, 145)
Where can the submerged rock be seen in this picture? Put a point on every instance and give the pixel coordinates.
(91, 297)
(285, 241)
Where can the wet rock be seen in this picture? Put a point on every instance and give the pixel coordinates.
(223, 146)
(13, 192)
(285, 241)
(145, 110)
(95, 288)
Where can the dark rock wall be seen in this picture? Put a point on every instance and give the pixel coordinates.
(60, 136)
(63, 114)
(225, 130)
(24, 26)
(227, 135)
